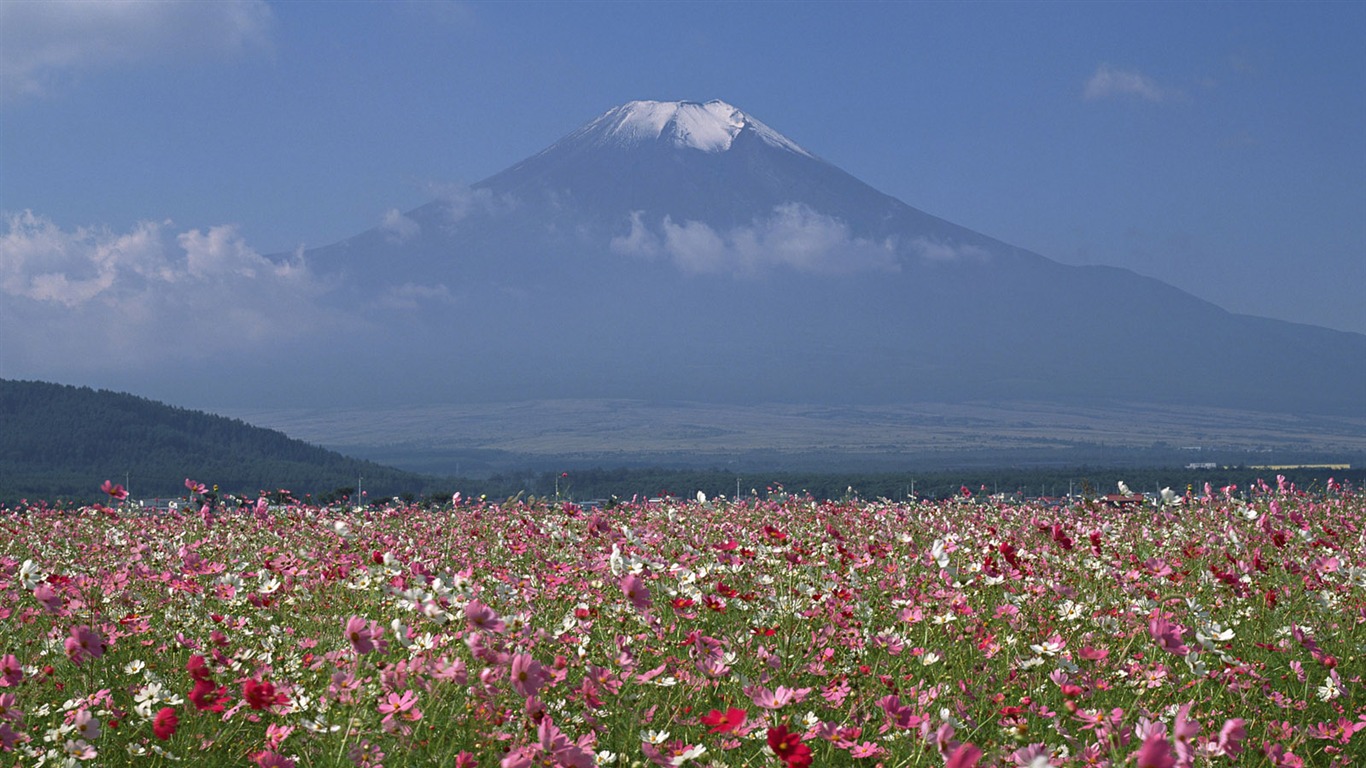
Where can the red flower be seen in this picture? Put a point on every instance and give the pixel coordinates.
(260, 695)
(724, 722)
(789, 747)
(206, 697)
(198, 668)
(163, 727)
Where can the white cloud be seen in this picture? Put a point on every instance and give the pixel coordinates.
(939, 251)
(95, 297)
(1106, 82)
(400, 228)
(795, 237)
(410, 296)
(460, 201)
(43, 42)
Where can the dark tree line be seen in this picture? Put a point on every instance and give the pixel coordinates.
(63, 441)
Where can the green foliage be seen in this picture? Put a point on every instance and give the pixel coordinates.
(61, 441)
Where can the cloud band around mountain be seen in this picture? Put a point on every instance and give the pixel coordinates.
(794, 237)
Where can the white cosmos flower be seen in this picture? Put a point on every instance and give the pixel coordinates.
(689, 754)
(1329, 690)
(30, 575)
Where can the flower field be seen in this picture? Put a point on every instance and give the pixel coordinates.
(1218, 628)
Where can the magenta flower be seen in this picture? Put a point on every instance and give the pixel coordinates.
(114, 490)
(634, 588)
(84, 643)
(165, 724)
(1168, 635)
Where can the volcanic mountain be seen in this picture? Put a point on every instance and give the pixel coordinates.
(688, 251)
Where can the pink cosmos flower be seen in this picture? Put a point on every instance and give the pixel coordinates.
(1231, 737)
(45, 594)
(364, 636)
(481, 617)
(1168, 635)
(271, 759)
(84, 643)
(1093, 654)
(636, 591)
(965, 756)
(776, 699)
(1156, 752)
(527, 674)
(398, 703)
(114, 490)
(11, 671)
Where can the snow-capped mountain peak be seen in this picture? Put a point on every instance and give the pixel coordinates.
(707, 127)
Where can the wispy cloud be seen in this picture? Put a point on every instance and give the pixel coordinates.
(399, 228)
(1108, 82)
(794, 237)
(95, 297)
(44, 43)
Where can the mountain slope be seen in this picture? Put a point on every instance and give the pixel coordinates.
(677, 250)
(60, 440)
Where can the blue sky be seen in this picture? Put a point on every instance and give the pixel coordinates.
(1218, 147)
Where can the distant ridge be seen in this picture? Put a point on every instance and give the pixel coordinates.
(64, 441)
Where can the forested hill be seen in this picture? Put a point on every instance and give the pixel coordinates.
(63, 441)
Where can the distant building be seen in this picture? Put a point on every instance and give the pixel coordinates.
(1122, 501)
(1202, 465)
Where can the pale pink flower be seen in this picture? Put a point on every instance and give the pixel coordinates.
(45, 594)
(1231, 738)
(1156, 752)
